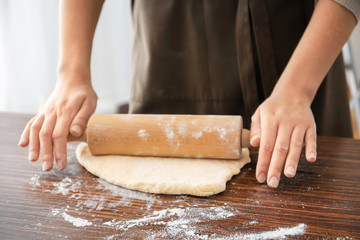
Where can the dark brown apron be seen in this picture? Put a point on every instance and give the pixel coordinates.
(224, 57)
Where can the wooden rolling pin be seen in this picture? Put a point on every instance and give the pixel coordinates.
(196, 136)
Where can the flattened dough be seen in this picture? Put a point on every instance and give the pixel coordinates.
(198, 177)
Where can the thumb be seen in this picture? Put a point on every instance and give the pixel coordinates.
(80, 120)
(255, 130)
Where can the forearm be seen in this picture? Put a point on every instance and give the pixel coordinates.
(77, 24)
(326, 34)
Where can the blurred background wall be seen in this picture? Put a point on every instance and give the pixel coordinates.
(29, 52)
(351, 53)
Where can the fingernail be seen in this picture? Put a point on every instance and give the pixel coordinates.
(290, 171)
(274, 182)
(61, 163)
(46, 166)
(312, 156)
(76, 130)
(253, 139)
(31, 156)
(261, 178)
(20, 143)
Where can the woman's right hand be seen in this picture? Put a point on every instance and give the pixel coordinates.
(67, 110)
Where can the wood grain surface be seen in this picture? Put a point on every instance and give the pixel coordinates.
(321, 202)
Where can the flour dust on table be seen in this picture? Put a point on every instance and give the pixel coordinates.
(182, 217)
(161, 217)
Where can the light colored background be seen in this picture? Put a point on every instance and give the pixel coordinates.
(352, 62)
(29, 51)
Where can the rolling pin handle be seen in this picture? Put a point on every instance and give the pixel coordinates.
(82, 138)
(245, 138)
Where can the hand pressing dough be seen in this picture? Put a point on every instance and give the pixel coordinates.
(198, 177)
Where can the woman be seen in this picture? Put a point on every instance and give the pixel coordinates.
(277, 61)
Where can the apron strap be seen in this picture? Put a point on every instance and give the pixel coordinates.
(264, 47)
(245, 60)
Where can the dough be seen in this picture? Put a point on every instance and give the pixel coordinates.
(198, 177)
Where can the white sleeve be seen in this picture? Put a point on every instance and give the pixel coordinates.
(352, 5)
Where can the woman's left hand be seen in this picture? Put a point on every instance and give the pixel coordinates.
(280, 126)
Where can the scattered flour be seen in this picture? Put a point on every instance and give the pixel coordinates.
(253, 222)
(77, 222)
(175, 222)
(279, 233)
(97, 202)
(111, 237)
(176, 217)
(54, 212)
(197, 135)
(143, 134)
(34, 181)
(76, 195)
(127, 195)
(182, 130)
(65, 186)
(183, 218)
(222, 132)
(168, 129)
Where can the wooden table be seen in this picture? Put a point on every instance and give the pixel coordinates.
(322, 201)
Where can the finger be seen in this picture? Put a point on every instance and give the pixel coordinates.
(267, 142)
(59, 139)
(46, 143)
(296, 144)
(255, 129)
(34, 143)
(279, 155)
(24, 139)
(310, 144)
(79, 122)
(61, 131)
